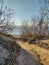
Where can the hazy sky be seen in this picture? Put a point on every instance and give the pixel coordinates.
(24, 9)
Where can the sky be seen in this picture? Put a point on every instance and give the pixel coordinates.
(24, 9)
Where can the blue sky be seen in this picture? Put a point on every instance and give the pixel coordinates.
(24, 9)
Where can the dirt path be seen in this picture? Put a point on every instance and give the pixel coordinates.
(26, 59)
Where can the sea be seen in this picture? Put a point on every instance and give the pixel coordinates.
(16, 31)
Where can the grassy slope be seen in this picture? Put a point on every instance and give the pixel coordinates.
(36, 51)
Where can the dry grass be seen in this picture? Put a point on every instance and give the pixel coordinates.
(46, 41)
(39, 53)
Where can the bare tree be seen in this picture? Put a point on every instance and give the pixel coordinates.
(34, 24)
(46, 28)
(45, 15)
(40, 27)
(5, 18)
(26, 29)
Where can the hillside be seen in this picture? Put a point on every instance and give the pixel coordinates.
(11, 53)
(9, 50)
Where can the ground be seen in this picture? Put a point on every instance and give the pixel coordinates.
(39, 53)
(26, 58)
(28, 54)
(12, 54)
(9, 50)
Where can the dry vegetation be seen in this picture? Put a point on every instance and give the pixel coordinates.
(38, 52)
(30, 40)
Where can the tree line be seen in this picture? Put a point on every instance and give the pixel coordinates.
(39, 25)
